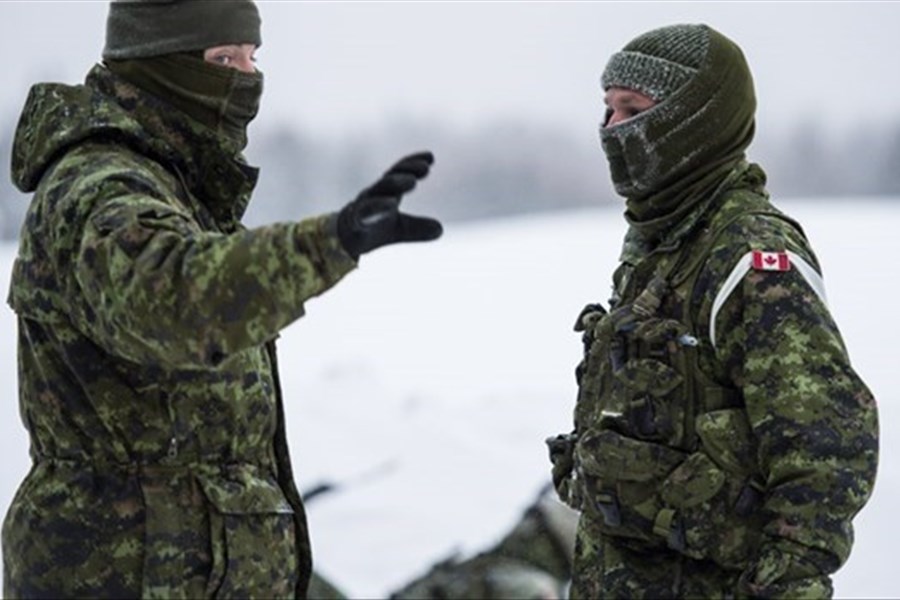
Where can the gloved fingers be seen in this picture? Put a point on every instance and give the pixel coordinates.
(418, 229)
(417, 164)
(392, 184)
(402, 177)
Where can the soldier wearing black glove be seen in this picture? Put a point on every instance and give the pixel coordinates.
(374, 219)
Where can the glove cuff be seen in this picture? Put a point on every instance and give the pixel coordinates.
(340, 226)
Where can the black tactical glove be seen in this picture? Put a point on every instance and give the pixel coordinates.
(561, 449)
(374, 219)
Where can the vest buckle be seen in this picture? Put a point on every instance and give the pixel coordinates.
(608, 505)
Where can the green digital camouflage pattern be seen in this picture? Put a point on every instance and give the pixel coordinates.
(532, 561)
(148, 383)
(726, 471)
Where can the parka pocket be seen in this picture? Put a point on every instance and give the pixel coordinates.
(252, 535)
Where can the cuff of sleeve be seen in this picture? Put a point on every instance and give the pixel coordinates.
(332, 249)
(811, 588)
(315, 240)
(779, 573)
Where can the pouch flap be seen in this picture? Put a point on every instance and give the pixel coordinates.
(697, 480)
(659, 331)
(613, 457)
(727, 438)
(244, 490)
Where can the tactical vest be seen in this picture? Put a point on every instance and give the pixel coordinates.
(663, 454)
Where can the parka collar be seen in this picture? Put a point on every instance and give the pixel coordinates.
(745, 175)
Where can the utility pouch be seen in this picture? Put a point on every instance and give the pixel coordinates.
(714, 496)
(649, 378)
(620, 479)
(651, 389)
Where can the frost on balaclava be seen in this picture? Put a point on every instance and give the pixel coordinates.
(673, 156)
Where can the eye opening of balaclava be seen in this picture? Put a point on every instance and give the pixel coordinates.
(663, 159)
(157, 45)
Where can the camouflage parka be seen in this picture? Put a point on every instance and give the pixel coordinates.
(723, 443)
(147, 379)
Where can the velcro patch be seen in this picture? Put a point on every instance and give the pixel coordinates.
(770, 261)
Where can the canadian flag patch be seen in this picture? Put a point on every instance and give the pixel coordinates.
(770, 261)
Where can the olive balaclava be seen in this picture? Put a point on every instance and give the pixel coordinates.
(673, 156)
(158, 44)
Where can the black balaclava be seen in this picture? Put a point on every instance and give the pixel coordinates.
(157, 45)
(671, 157)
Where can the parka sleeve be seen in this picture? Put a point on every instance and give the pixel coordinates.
(816, 426)
(154, 287)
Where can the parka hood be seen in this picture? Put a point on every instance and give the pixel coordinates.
(57, 117)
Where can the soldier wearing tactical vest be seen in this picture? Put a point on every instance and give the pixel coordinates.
(147, 316)
(722, 442)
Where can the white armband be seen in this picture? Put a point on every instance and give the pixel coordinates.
(752, 261)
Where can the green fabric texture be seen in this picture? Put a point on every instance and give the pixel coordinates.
(225, 100)
(671, 157)
(142, 28)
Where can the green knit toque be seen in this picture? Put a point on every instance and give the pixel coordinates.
(658, 62)
(143, 28)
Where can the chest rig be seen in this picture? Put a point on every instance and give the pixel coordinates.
(663, 454)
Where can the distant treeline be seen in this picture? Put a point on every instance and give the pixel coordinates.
(508, 168)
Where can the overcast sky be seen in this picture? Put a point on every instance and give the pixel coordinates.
(342, 67)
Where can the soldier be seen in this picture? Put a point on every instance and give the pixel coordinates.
(147, 316)
(722, 441)
(533, 561)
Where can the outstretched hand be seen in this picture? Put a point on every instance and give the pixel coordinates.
(374, 219)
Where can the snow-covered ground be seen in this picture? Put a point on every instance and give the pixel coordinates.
(425, 384)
